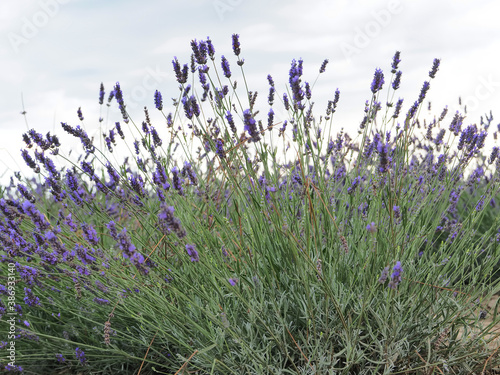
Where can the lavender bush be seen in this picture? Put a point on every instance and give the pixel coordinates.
(369, 255)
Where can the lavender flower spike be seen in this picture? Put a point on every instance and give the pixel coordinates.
(396, 276)
(190, 249)
(378, 81)
(250, 125)
(236, 44)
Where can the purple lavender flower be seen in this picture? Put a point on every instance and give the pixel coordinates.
(395, 62)
(119, 130)
(101, 301)
(250, 125)
(397, 212)
(352, 188)
(188, 170)
(230, 120)
(384, 275)
(219, 149)
(233, 281)
(79, 112)
(413, 110)
(30, 299)
(13, 368)
(378, 81)
(200, 52)
(158, 100)
(177, 181)
(82, 254)
(27, 140)
(36, 216)
(286, 103)
(210, 48)
(307, 89)
(90, 234)
(439, 138)
(294, 81)
(191, 251)
(80, 355)
(435, 67)
(396, 275)
(270, 98)
(101, 94)
(28, 274)
(384, 157)
(494, 154)
(125, 244)
(156, 138)
(168, 222)
(60, 358)
(423, 91)
(225, 67)
(26, 194)
(372, 228)
(181, 75)
(236, 44)
(29, 161)
(323, 66)
(270, 118)
(397, 80)
(112, 230)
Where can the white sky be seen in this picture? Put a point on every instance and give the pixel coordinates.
(57, 52)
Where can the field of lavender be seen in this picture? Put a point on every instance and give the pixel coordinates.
(276, 246)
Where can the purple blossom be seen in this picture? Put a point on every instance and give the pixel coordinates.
(323, 66)
(230, 120)
(378, 81)
(90, 234)
(435, 67)
(286, 103)
(181, 75)
(210, 48)
(396, 275)
(372, 228)
(423, 91)
(79, 112)
(200, 51)
(168, 222)
(177, 181)
(219, 149)
(250, 125)
(101, 94)
(101, 301)
(384, 275)
(30, 299)
(191, 251)
(158, 100)
(29, 161)
(80, 355)
(236, 44)
(397, 80)
(233, 281)
(395, 61)
(225, 67)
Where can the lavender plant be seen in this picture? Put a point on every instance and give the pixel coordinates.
(365, 255)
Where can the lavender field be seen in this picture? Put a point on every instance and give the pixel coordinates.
(213, 237)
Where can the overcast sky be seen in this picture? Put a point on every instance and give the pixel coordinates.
(57, 52)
